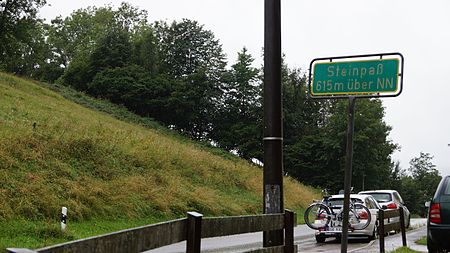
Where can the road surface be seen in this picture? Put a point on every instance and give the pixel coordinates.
(303, 237)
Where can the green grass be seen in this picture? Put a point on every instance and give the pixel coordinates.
(36, 234)
(110, 168)
(404, 250)
(122, 113)
(422, 241)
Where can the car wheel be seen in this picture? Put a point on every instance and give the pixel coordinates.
(320, 238)
(433, 248)
(430, 247)
(408, 222)
(374, 234)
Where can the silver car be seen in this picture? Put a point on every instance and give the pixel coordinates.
(336, 202)
(390, 199)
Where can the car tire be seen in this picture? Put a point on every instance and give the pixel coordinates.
(433, 248)
(374, 235)
(320, 238)
(408, 222)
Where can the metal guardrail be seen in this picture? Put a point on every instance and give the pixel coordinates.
(192, 229)
(385, 228)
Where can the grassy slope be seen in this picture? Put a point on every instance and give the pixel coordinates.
(109, 173)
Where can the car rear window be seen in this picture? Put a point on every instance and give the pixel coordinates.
(381, 197)
(340, 201)
(447, 187)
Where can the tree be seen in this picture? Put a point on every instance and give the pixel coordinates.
(76, 35)
(319, 158)
(111, 51)
(130, 18)
(20, 35)
(373, 148)
(396, 175)
(419, 186)
(145, 51)
(192, 56)
(238, 123)
(79, 32)
(75, 38)
(186, 47)
(422, 167)
(114, 84)
(133, 87)
(305, 153)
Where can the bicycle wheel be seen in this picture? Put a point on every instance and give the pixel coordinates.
(317, 216)
(359, 217)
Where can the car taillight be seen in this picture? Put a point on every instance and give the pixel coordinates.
(321, 216)
(391, 206)
(435, 213)
(363, 215)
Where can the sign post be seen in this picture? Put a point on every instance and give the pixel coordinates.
(369, 76)
(348, 171)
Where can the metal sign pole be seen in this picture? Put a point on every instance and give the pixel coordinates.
(273, 126)
(348, 172)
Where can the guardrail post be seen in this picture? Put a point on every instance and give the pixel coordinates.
(194, 230)
(290, 222)
(402, 225)
(381, 229)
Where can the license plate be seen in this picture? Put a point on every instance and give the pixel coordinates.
(335, 229)
(336, 224)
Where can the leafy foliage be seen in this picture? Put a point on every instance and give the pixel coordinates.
(186, 47)
(419, 185)
(112, 51)
(21, 37)
(237, 126)
(192, 55)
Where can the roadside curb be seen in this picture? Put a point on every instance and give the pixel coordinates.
(393, 242)
(370, 244)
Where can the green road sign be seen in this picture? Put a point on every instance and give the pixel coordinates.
(363, 77)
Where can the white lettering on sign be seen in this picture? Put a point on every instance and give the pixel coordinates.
(335, 71)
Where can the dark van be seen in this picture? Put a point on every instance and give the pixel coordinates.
(438, 224)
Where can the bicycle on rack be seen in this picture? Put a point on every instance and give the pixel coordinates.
(327, 217)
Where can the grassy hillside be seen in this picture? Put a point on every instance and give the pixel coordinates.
(110, 173)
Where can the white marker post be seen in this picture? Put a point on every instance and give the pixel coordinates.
(63, 218)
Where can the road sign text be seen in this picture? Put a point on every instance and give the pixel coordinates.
(355, 77)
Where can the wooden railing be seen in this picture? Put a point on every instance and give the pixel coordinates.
(191, 229)
(396, 226)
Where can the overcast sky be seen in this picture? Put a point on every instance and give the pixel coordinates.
(420, 30)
